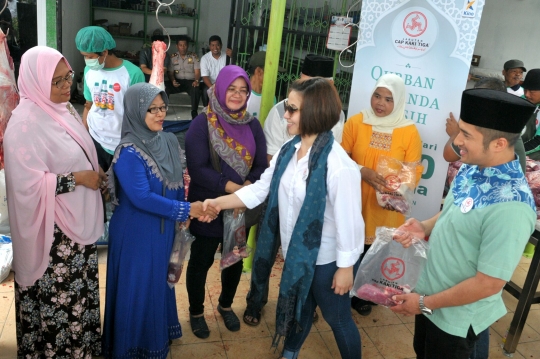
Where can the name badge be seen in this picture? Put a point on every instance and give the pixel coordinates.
(467, 205)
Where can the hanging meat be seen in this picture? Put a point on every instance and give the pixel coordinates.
(159, 51)
(9, 96)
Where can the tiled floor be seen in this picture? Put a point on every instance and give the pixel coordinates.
(384, 334)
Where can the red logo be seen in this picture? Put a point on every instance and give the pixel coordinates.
(415, 24)
(393, 268)
(240, 235)
(116, 87)
(392, 182)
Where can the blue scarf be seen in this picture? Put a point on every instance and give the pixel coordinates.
(305, 241)
(491, 185)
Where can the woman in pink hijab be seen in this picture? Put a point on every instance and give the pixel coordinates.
(56, 214)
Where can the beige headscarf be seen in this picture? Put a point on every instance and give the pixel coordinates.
(396, 119)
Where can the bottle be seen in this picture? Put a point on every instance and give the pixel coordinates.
(96, 94)
(110, 98)
(103, 95)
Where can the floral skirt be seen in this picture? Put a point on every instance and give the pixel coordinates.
(58, 317)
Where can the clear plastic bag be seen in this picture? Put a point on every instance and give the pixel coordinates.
(388, 269)
(6, 256)
(400, 183)
(234, 239)
(181, 245)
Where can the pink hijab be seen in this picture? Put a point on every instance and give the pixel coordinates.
(42, 140)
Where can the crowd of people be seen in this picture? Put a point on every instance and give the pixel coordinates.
(313, 172)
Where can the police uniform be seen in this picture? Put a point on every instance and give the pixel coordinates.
(183, 70)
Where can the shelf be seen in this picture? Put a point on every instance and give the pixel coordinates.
(128, 37)
(189, 17)
(116, 9)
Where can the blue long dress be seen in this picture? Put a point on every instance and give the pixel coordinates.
(140, 308)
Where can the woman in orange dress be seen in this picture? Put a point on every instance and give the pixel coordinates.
(381, 130)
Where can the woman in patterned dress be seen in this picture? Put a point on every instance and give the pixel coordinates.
(381, 130)
(56, 214)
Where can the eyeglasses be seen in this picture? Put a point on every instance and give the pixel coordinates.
(69, 79)
(154, 110)
(289, 108)
(232, 91)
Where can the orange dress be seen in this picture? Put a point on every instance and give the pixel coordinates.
(365, 147)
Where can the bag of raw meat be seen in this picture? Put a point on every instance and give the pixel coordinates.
(400, 183)
(234, 239)
(9, 96)
(533, 178)
(388, 269)
(181, 245)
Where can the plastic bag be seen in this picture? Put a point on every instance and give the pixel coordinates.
(234, 239)
(6, 256)
(181, 245)
(388, 269)
(400, 183)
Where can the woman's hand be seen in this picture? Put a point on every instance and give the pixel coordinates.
(89, 179)
(412, 228)
(372, 178)
(452, 128)
(343, 280)
(238, 211)
(185, 224)
(103, 177)
(204, 215)
(231, 187)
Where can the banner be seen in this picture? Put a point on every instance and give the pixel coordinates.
(429, 44)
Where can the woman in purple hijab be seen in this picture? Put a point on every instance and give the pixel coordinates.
(228, 133)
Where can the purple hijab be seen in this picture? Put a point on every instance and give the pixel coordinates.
(234, 123)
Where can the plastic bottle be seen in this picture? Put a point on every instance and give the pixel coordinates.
(103, 95)
(96, 94)
(110, 98)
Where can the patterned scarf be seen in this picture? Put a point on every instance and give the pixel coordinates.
(491, 185)
(305, 241)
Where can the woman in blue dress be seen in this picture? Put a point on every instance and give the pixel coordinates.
(147, 188)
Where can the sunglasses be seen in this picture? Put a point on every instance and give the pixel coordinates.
(289, 108)
(154, 110)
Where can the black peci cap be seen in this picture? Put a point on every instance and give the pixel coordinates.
(532, 80)
(496, 110)
(318, 66)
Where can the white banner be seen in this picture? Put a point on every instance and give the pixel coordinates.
(429, 43)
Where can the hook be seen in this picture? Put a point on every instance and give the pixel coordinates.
(5, 5)
(168, 5)
(354, 43)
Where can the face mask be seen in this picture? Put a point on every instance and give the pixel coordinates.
(93, 64)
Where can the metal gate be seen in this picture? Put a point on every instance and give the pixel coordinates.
(306, 26)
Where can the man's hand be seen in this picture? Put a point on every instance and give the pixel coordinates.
(175, 83)
(372, 178)
(411, 229)
(195, 83)
(228, 52)
(452, 128)
(409, 304)
(343, 280)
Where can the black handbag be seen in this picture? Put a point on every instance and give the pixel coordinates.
(252, 216)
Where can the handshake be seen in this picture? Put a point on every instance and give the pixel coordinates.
(208, 210)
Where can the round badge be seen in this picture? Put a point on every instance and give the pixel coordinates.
(392, 182)
(467, 205)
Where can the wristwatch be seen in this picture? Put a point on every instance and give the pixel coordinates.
(423, 308)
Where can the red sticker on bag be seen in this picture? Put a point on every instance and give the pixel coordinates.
(393, 268)
(393, 182)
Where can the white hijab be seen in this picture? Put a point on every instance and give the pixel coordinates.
(396, 119)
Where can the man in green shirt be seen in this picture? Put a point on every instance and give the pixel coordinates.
(478, 238)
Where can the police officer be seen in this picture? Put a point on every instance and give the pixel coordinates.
(185, 73)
